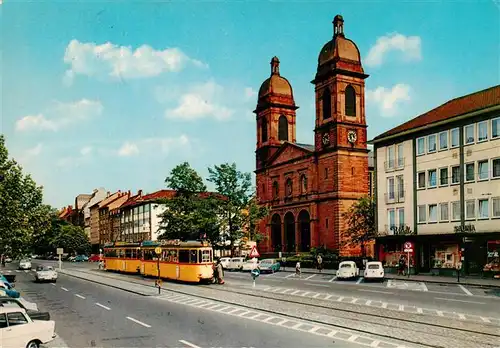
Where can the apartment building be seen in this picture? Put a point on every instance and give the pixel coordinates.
(106, 219)
(437, 180)
(97, 195)
(94, 219)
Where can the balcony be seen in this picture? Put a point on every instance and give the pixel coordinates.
(398, 230)
(394, 197)
(394, 164)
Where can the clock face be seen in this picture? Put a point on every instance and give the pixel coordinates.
(326, 139)
(352, 136)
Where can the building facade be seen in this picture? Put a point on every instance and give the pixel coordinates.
(106, 218)
(309, 187)
(97, 195)
(94, 219)
(438, 186)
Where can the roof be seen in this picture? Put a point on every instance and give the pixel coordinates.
(456, 107)
(275, 84)
(109, 199)
(308, 147)
(117, 203)
(162, 194)
(302, 147)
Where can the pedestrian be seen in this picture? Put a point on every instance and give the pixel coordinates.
(220, 272)
(402, 265)
(297, 269)
(319, 259)
(3, 260)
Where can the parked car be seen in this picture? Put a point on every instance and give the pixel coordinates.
(18, 329)
(8, 288)
(250, 265)
(31, 308)
(269, 265)
(45, 273)
(225, 261)
(374, 270)
(95, 258)
(8, 259)
(236, 264)
(347, 270)
(25, 264)
(81, 258)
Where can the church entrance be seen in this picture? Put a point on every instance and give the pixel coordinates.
(305, 230)
(290, 232)
(276, 233)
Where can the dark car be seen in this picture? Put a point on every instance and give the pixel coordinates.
(15, 303)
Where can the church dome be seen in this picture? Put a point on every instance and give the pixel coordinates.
(275, 84)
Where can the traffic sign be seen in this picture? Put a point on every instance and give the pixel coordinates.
(158, 250)
(255, 272)
(60, 251)
(254, 252)
(408, 247)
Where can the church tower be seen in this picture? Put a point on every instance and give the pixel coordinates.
(275, 115)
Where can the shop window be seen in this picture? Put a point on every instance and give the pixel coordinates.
(420, 146)
(492, 257)
(432, 213)
(455, 137)
(470, 209)
(421, 180)
(469, 172)
(455, 211)
(495, 128)
(483, 170)
(443, 212)
(469, 134)
(443, 176)
(495, 202)
(431, 175)
(482, 131)
(495, 168)
(431, 143)
(445, 256)
(455, 175)
(422, 214)
(443, 140)
(484, 208)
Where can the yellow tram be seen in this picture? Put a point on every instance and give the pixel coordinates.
(189, 261)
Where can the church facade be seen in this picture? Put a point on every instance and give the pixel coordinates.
(309, 186)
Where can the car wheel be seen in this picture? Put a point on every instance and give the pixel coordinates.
(33, 344)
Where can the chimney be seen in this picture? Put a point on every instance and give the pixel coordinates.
(139, 193)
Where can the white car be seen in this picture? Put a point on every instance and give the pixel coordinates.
(347, 270)
(45, 274)
(374, 270)
(236, 263)
(25, 264)
(17, 329)
(225, 262)
(250, 265)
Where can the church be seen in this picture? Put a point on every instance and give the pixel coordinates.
(308, 187)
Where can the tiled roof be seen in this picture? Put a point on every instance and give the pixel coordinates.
(118, 201)
(109, 199)
(453, 108)
(162, 194)
(131, 201)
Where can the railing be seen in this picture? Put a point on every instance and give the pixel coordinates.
(394, 164)
(395, 197)
(398, 230)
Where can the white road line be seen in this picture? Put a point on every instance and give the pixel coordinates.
(295, 292)
(440, 313)
(359, 280)
(328, 297)
(317, 295)
(401, 307)
(331, 280)
(424, 287)
(80, 296)
(352, 338)
(461, 316)
(52, 284)
(354, 300)
(377, 291)
(375, 343)
(451, 299)
(340, 299)
(420, 310)
(63, 288)
(486, 320)
(138, 322)
(369, 302)
(322, 285)
(290, 275)
(189, 344)
(465, 290)
(310, 277)
(102, 306)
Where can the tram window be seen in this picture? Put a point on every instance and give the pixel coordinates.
(193, 257)
(128, 253)
(148, 255)
(119, 253)
(183, 256)
(205, 255)
(173, 256)
(109, 253)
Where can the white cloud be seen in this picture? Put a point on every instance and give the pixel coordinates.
(202, 101)
(76, 160)
(250, 93)
(128, 149)
(155, 145)
(60, 115)
(409, 46)
(388, 100)
(85, 151)
(116, 61)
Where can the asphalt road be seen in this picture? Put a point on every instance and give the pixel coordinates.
(88, 314)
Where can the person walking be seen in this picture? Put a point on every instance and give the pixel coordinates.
(220, 272)
(297, 269)
(319, 260)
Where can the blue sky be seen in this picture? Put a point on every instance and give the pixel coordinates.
(116, 93)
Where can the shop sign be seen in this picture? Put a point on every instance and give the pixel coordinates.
(492, 253)
(465, 229)
(401, 229)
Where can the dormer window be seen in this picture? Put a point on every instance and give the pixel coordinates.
(350, 101)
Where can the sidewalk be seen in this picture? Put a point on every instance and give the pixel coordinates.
(473, 281)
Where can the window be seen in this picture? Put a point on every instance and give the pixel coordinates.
(495, 128)
(495, 202)
(3, 321)
(289, 187)
(204, 256)
(495, 168)
(16, 318)
(431, 143)
(350, 101)
(455, 137)
(482, 131)
(433, 212)
(282, 128)
(147, 207)
(390, 157)
(326, 222)
(391, 218)
(455, 175)
(193, 258)
(400, 156)
(469, 172)
(327, 104)
(263, 130)
(470, 209)
(421, 180)
(484, 208)
(183, 256)
(482, 167)
(390, 187)
(455, 211)
(400, 186)
(469, 134)
(421, 213)
(443, 140)
(444, 212)
(443, 176)
(401, 217)
(431, 175)
(420, 146)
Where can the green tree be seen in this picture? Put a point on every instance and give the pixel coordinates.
(191, 212)
(255, 213)
(360, 220)
(71, 238)
(22, 212)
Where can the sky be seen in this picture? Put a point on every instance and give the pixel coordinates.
(114, 94)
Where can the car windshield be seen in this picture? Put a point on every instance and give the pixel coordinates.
(267, 261)
(345, 265)
(44, 268)
(25, 260)
(373, 266)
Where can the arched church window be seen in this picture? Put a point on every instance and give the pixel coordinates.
(289, 187)
(303, 184)
(282, 128)
(263, 130)
(327, 103)
(350, 101)
(276, 190)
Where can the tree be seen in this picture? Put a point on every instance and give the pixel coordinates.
(255, 213)
(72, 239)
(238, 212)
(360, 220)
(191, 212)
(22, 212)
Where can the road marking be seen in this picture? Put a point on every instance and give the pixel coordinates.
(340, 299)
(331, 280)
(52, 284)
(310, 277)
(295, 292)
(64, 288)
(102, 306)
(420, 310)
(440, 313)
(328, 297)
(189, 344)
(317, 295)
(80, 296)
(369, 302)
(451, 299)
(377, 291)
(461, 316)
(359, 280)
(138, 322)
(322, 285)
(290, 275)
(465, 290)
(375, 343)
(486, 320)
(17, 271)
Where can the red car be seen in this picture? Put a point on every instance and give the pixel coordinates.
(95, 258)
